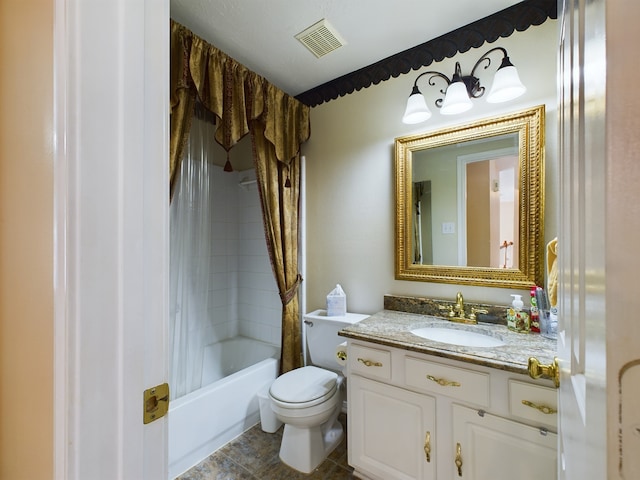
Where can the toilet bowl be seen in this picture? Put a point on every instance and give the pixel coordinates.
(308, 401)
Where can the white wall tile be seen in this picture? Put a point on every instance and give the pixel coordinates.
(243, 296)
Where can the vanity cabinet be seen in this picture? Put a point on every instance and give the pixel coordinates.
(418, 416)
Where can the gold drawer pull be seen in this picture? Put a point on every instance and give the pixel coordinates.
(427, 446)
(341, 355)
(442, 382)
(541, 408)
(458, 460)
(369, 363)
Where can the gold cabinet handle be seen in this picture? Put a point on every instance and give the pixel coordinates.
(427, 446)
(442, 382)
(342, 355)
(541, 408)
(552, 371)
(458, 460)
(369, 363)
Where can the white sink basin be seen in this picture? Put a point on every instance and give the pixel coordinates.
(463, 338)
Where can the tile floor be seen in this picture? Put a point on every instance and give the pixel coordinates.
(254, 456)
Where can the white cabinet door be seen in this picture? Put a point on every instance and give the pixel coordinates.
(490, 447)
(391, 430)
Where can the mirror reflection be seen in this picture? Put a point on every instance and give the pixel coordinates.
(470, 203)
(467, 190)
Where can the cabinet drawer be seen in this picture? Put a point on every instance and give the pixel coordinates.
(371, 362)
(453, 382)
(534, 402)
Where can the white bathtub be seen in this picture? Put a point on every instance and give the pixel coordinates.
(203, 421)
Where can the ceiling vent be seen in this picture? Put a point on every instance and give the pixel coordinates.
(321, 38)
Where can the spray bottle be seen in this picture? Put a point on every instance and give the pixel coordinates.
(535, 317)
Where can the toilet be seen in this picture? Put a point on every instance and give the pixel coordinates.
(309, 399)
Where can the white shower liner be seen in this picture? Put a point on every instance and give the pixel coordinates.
(234, 370)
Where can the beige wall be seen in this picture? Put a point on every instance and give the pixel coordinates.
(26, 239)
(349, 173)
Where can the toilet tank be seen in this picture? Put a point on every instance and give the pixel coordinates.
(322, 336)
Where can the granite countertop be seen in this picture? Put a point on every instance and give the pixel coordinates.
(392, 328)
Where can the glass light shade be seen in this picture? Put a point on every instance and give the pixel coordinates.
(456, 100)
(506, 85)
(417, 110)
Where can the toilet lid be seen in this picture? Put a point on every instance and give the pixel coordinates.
(304, 385)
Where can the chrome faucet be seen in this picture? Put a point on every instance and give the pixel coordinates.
(457, 313)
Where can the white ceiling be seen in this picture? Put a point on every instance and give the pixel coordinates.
(261, 34)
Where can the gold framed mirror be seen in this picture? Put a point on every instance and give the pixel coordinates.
(470, 203)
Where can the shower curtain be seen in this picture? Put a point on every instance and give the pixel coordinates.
(191, 250)
(244, 103)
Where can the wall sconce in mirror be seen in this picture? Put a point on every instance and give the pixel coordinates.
(462, 88)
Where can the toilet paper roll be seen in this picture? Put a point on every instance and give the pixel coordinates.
(341, 354)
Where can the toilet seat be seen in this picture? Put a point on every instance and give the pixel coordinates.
(304, 387)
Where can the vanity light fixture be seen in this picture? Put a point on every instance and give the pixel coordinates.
(462, 88)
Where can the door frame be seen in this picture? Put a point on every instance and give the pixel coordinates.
(110, 142)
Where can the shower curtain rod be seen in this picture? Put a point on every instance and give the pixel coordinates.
(244, 183)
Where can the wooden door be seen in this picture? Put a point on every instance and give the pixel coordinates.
(581, 243)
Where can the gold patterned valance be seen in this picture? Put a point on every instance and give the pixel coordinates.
(236, 95)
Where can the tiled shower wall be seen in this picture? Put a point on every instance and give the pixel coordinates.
(259, 307)
(243, 295)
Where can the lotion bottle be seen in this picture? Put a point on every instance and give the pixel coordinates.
(517, 319)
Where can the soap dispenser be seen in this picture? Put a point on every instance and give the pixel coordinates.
(517, 319)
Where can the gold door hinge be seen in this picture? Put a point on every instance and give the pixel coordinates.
(156, 403)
